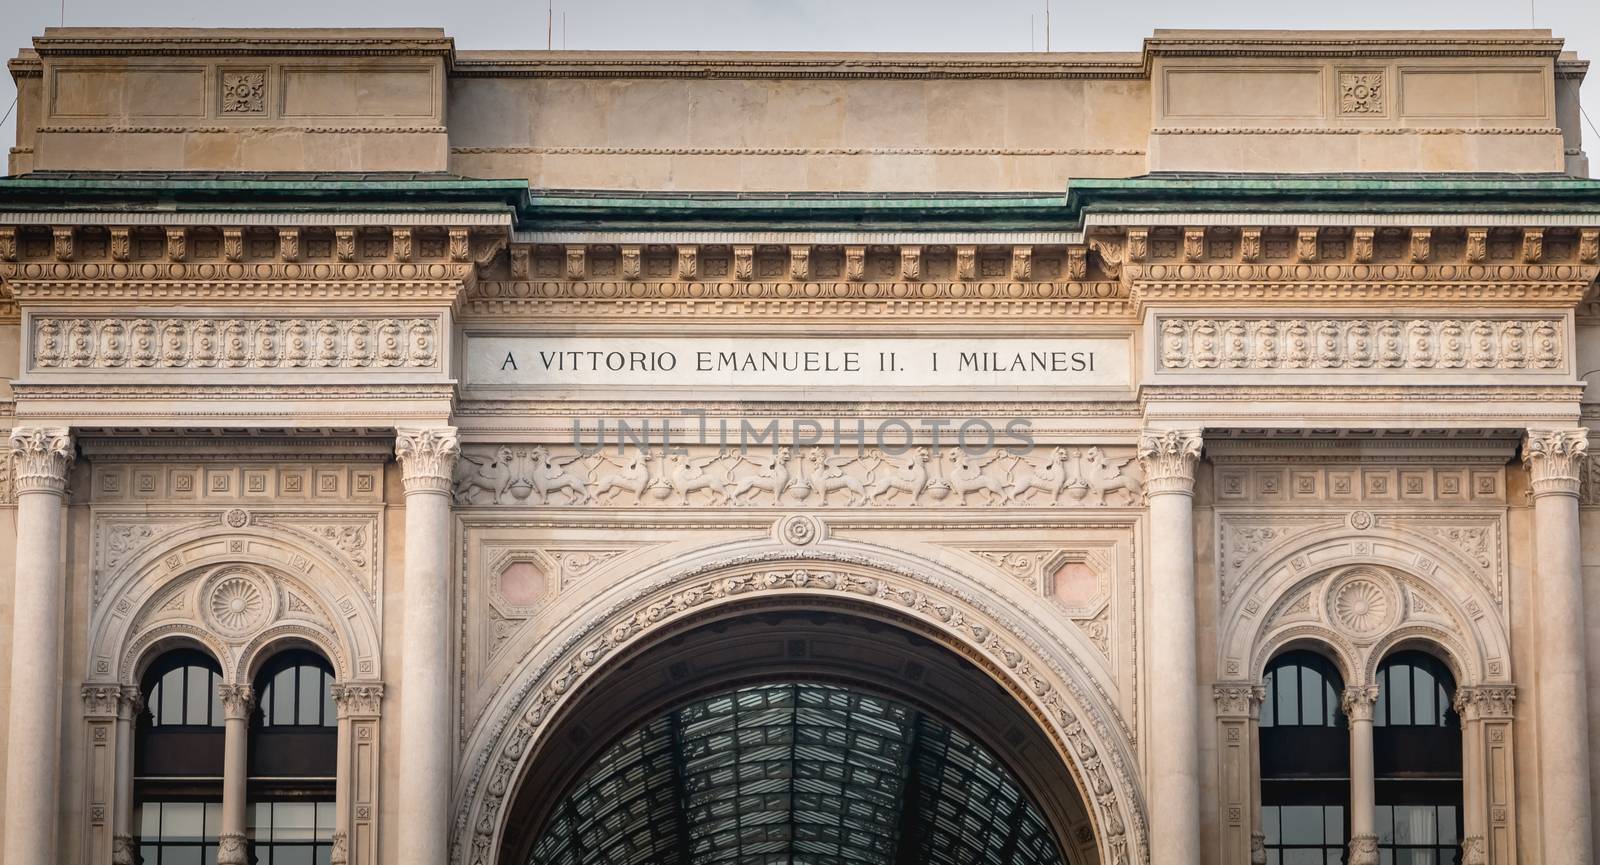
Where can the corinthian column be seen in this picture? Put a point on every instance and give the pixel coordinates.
(1553, 459)
(1357, 702)
(1168, 458)
(40, 459)
(427, 692)
(238, 701)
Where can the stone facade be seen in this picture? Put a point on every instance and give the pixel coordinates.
(487, 445)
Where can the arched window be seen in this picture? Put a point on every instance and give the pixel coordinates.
(1416, 755)
(1305, 761)
(178, 760)
(294, 743)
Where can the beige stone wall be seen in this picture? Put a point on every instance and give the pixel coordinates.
(1485, 101)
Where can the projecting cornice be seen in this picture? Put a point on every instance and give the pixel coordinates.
(184, 41)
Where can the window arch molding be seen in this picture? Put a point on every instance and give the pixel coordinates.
(1307, 638)
(330, 609)
(156, 643)
(1278, 599)
(288, 637)
(1420, 637)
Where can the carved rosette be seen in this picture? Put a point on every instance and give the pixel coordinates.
(427, 458)
(1238, 699)
(1363, 850)
(238, 701)
(1357, 702)
(1168, 458)
(41, 458)
(1554, 459)
(232, 849)
(358, 699)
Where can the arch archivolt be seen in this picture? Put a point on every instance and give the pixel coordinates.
(1358, 594)
(1010, 645)
(239, 592)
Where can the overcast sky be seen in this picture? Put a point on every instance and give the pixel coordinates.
(815, 25)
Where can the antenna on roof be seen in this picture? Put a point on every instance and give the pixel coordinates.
(549, 25)
(1030, 34)
(1047, 26)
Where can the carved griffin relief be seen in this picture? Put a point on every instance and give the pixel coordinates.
(540, 475)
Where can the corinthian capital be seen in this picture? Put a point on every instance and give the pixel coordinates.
(41, 456)
(427, 458)
(1168, 458)
(237, 701)
(1357, 702)
(1554, 459)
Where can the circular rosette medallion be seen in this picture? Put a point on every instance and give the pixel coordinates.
(1363, 603)
(237, 601)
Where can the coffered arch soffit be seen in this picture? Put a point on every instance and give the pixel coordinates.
(1358, 595)
(1019, 650)
(241, 593)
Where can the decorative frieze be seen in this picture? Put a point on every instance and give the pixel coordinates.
(1308, 482)
(253, 343)
(540, 475)
(1360, 344)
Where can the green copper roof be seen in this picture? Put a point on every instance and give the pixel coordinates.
(1377, 193)
(777, 211)
(188, 191)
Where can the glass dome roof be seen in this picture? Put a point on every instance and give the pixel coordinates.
(796, 774)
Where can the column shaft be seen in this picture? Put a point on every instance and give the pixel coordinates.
(122, 847)
(237, 703)
(1358, 703)
(1169, 459)
(33, 749)
(427, 691)
(1553, 458)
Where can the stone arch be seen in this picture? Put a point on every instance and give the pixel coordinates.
(306, 594)
(156, 642)
(1422, 585)
(1316, 638)
(281, 638)
(1423, 637)
(1015, 649)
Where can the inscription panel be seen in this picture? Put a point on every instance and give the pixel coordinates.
(811, 367)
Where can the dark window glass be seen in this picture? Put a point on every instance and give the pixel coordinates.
(178, 833)
(1417, 755)
(296, 691)
(296, 832)
(181, 691)
(1304, 762)
(1303, 688)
